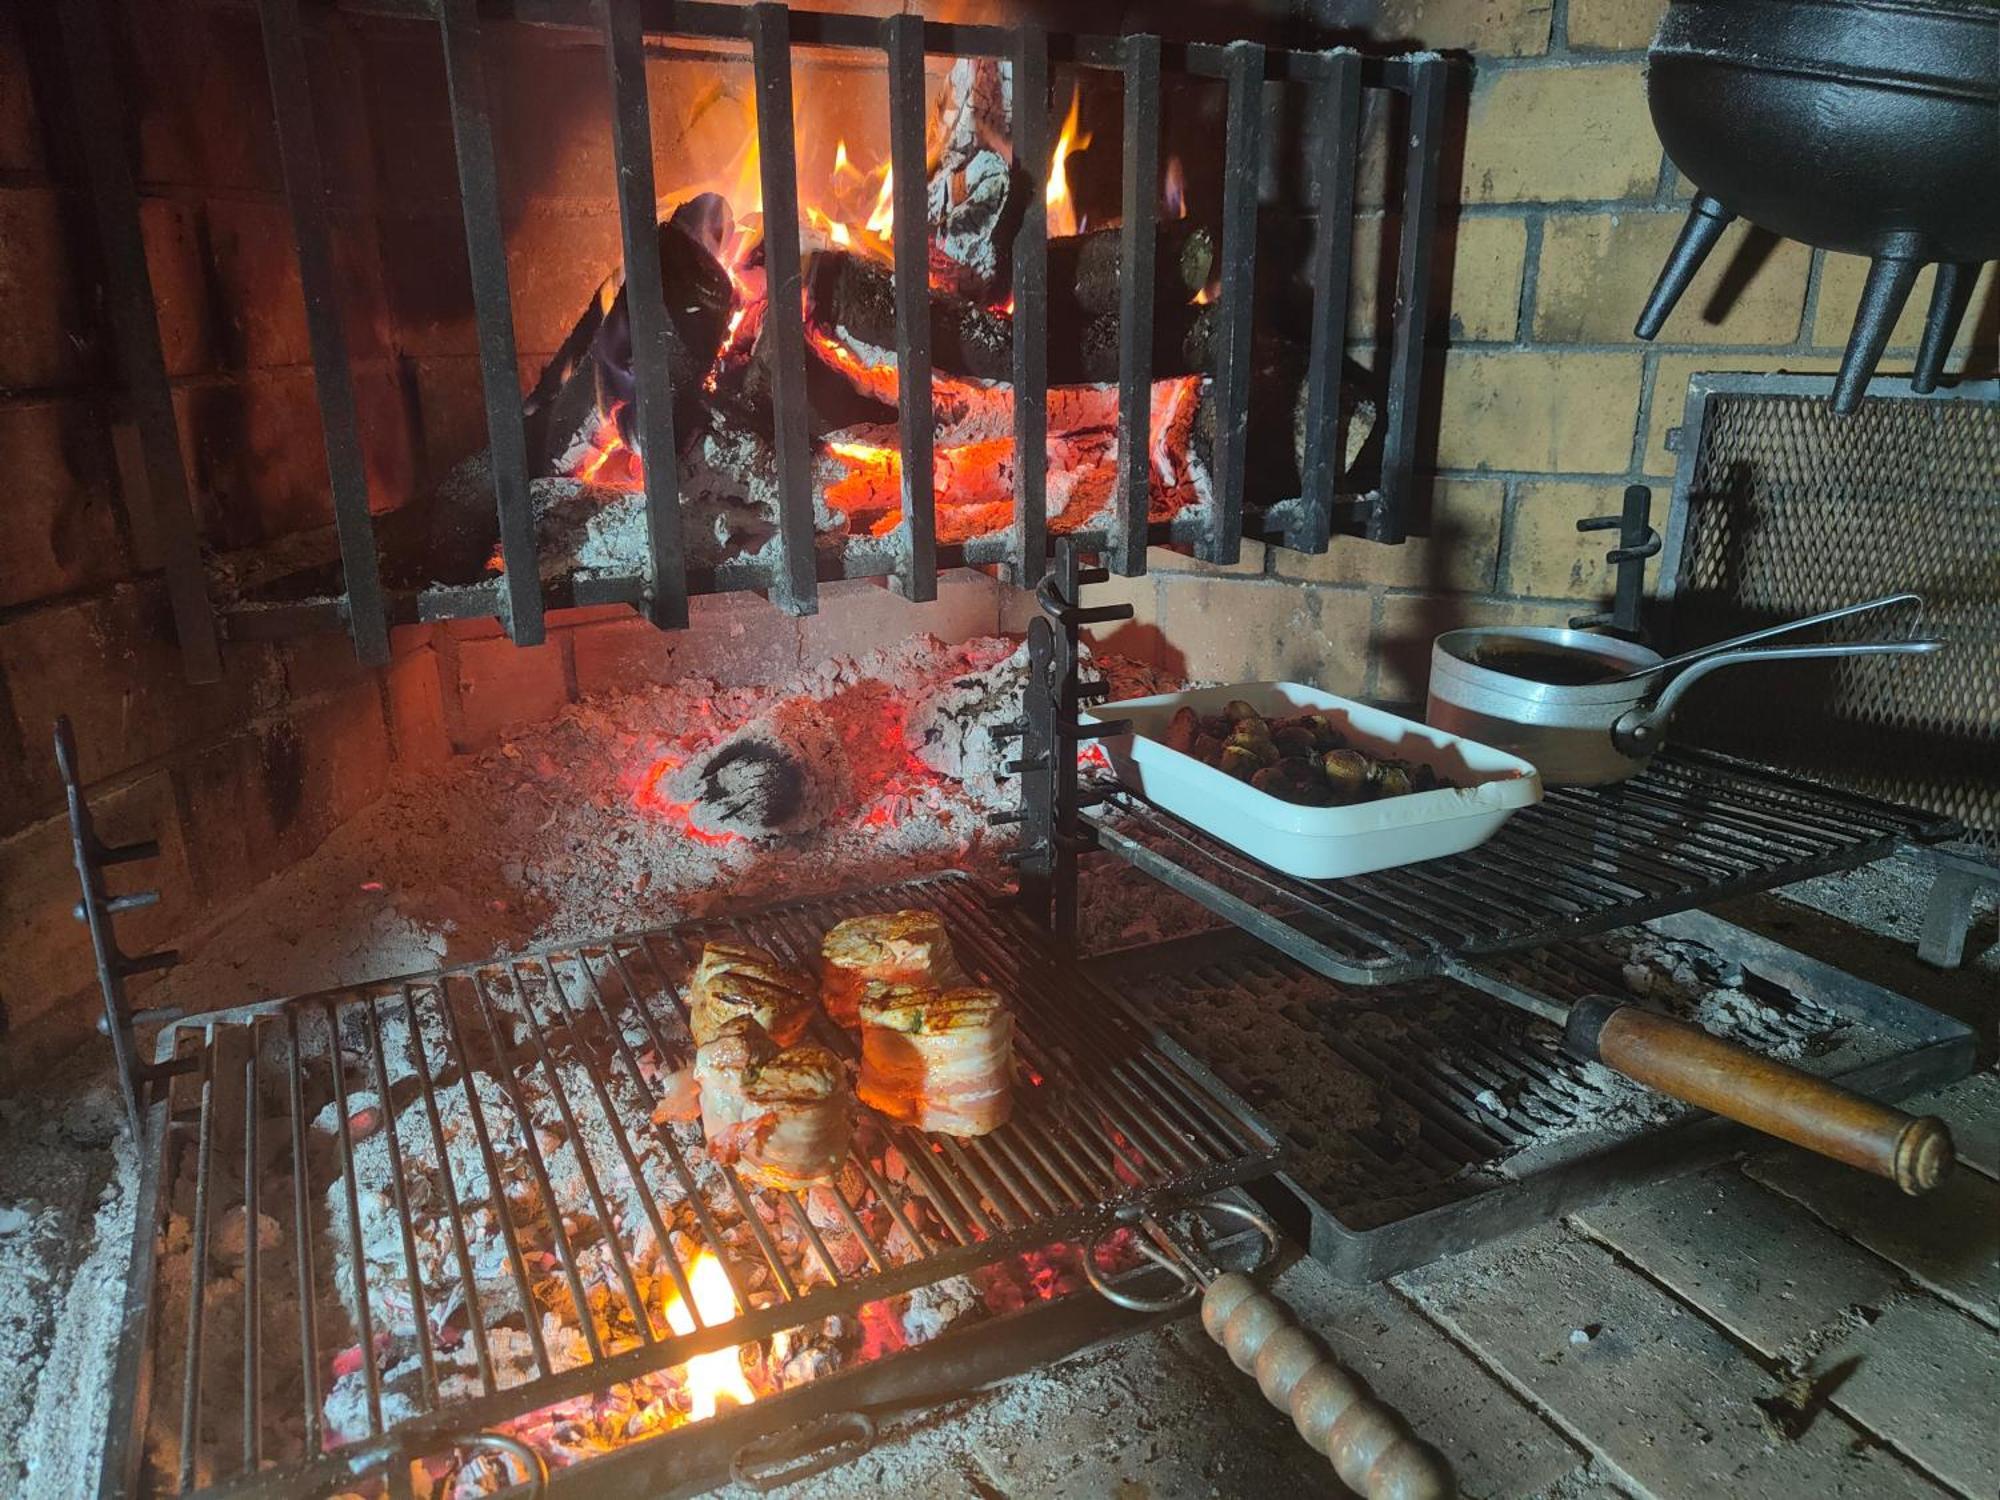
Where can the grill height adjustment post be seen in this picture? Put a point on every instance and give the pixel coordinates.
(1053, 834)
(95, 910)
(1637, 541)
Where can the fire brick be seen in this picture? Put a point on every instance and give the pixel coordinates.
(735, 641)
(1476, 288)
(1236, 630)
(1597, 268)
(855, 618)
(42, 328)
(181, 294)
(1840, 280)
(257, 280)
(1526, 409)
(502, 686)
(1670, 381)
(416, 710)
(1494, 28)
(62, 531)
(1552, 135)
(1547, 557)
(1457, 554)
(255, 460)
(1614, 25)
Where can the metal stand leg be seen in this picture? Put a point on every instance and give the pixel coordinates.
(1637, 541)
(1948, 915)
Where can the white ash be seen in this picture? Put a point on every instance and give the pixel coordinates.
(784, 772)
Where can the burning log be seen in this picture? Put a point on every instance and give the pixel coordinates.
(970, 200)
(858, 295)
(783, 773)
(1083, 268)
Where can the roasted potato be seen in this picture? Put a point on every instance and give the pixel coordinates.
(1183, 730)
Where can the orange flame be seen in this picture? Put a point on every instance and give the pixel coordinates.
(1062, 208)
(1175, 193)
(718, 1373)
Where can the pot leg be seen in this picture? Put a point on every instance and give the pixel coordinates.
(1950, 295)
(1699, 235)
(1890, 278)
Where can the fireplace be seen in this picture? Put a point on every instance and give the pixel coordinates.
(377, 621)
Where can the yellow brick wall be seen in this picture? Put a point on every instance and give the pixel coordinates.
(1549, 406)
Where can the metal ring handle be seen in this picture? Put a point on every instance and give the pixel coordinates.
(532, 1463)
(1190, 1287)
(1258, 1220)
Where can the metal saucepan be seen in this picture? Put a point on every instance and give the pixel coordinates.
(1587, 709)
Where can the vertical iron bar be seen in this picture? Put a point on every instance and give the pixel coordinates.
(1335, 155)
(198, 1270)
(302, 1237)
(405, 1220)
(1389, 520)
(253, 1320)
(493, 308)
(364, 1316)
(903, 38)
(1031, 306)
(645, 305)
(1243, 155)
(414, 1044)
(1038, 775)
(795, 584)
(142, 368)
(333, 375)
(1127, 552)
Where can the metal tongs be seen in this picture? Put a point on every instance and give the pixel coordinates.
(1372, 1449)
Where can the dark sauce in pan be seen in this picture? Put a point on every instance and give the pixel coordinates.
(1556, 668)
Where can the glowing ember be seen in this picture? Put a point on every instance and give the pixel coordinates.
(719, 1373)
(1062, 208)
(649, 795)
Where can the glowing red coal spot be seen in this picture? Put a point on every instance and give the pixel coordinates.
(649, 796)
(881, 1331)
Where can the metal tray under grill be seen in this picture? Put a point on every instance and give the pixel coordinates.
(574, 1041)
(1397, 1153)
(1691, 829)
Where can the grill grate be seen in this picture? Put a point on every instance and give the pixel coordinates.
(1784, 509)
(539, 1074)
(1692, 828)
(1425, 1117)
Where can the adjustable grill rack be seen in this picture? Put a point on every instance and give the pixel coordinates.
(1105, 1118)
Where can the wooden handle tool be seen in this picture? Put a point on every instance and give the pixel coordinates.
(1686, 1062)
(1372, 1450)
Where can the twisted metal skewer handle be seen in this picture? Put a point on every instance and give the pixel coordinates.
(1372, 1450)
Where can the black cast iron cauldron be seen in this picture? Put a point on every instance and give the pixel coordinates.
(1865, 126)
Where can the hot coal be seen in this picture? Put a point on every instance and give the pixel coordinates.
(784, 772)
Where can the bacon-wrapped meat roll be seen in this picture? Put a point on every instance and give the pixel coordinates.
(940, 1060)
(738, 979)
(898, 947)
(782, 1115)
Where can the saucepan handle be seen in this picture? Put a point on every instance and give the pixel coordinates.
(1690, 1065)
(1640, 731)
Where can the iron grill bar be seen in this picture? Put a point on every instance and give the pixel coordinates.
(198, 1281)
(305, 193)
(302, 1236)
(1584, 860)
(363, 1312)
(902, 39)
(1140, 55)
(503, 1208)
(135, 327)
(475, 1315)
(622, 1138)
(538, 1168)
(796, 583)
(1243, 160)
(1338, 150)
(252, 1209)
(1028, 546)
(1389, 520)
(406, 1226)
(645, 304)
(628, 1283)
(493, 311)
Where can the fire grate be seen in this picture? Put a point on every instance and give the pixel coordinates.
(1425, 1117)
(1693, 828)
(540, 1074)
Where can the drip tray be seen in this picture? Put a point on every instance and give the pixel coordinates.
(1426, 1118)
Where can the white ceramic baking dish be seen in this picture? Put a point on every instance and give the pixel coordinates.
(1322, 843)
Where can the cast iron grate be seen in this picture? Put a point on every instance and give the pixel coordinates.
(1784, 509)
(554, 1061)
(1426, 1117)
(1693, 828)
